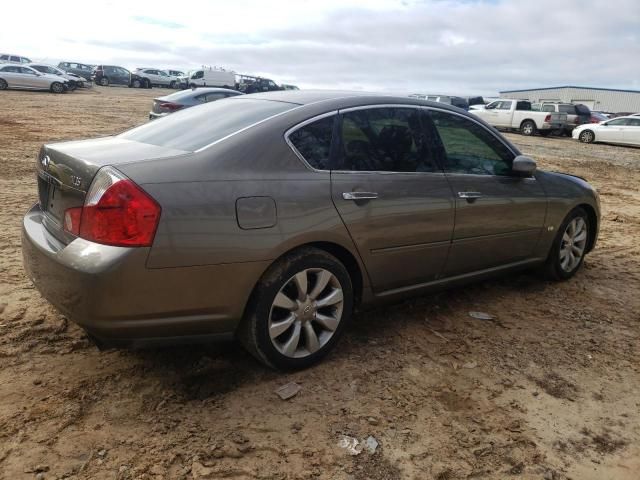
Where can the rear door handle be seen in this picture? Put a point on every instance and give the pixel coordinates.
(470, 195)
(359, 195)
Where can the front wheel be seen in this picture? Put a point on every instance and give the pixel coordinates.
(528, 128)
(136, 83)
(3, 84)
(172, 85)
(569, 247)
(57, 87)
(298, 310)
(104, 81)
(586, 136)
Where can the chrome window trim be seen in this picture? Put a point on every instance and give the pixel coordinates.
(299, 126)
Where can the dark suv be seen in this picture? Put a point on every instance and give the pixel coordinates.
(106, 75)
(250, 84)
(80, 69)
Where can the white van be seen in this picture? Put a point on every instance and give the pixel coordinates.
(209, 78)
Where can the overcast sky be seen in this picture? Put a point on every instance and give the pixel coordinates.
(427, 46)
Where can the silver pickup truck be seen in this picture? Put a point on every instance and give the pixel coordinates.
(519, 115)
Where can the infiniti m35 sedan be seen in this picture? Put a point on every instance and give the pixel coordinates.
(270, 217)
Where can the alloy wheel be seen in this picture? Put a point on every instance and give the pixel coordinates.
(586, 136)
(306, 312)
(574, 241)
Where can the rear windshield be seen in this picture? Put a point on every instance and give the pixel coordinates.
(570, 109)
(197, 127)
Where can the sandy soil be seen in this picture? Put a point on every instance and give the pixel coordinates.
(550, 389)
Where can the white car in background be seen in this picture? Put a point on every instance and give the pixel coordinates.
(8, 58)
(156, 77)
(622, 130)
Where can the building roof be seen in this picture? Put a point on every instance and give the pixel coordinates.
(571, 86)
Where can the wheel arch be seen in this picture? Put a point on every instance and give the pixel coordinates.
(528, 120)
(593, 224)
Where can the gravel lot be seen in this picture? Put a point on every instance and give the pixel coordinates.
(549, 389)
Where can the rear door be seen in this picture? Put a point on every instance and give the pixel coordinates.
(31, 78)
(499, 216)
(391, 195)
(12, 76)
(631, 133)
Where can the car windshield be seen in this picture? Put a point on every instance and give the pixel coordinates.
(200, 126)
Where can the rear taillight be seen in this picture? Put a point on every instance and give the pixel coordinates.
(547, 118)
(116, 212)
(170, 106)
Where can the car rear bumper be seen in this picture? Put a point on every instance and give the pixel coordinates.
(552, 126)
(111, 293)
(154, 115)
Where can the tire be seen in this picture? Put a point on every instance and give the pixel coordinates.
(136, 83)
(587, 136)
(304, 332)
(528, 128)
(57, 87)
(172, 85)
(3, 84)
(573, 236)
(104, 81)
(193, 85)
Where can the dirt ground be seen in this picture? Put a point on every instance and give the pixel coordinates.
(549, 389)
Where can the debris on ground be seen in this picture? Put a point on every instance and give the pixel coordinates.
(350, 444)
(481, 315)
(288, 391)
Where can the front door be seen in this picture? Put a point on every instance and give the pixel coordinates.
(392, 196)
(499, 216)
(612, 131)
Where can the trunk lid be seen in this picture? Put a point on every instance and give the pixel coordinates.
(65, 171)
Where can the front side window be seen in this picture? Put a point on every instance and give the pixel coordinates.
(313, 142)
(28, 71)
(469, 147)
(385, 140)
(618, 122)
(4, 57)
(25, 60)
(197, 75)
(504, 105)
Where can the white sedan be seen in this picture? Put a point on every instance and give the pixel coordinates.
(622, 130)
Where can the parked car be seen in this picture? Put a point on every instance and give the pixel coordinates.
(106, 75)
(8, 58)
(249, 84)
(620, 130)
(519, 115)
(155, 77)
(26, 78)
(597, 117)
(175, 73)
(163, 106)
(80, 69)
(209, 77)
(242, 218)
(448, 99)
(576, 114)
(75, 81)
(287, 86)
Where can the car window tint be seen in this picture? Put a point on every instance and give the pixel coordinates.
(313, 142)
(504, 105)
(28, 71)
(385, 139)
(570, 109)
(469, 147)
(11, 69)
(25, 60)
(633, 122)
(548, 108)
(4, 57)
(617, 122)
(195, 128)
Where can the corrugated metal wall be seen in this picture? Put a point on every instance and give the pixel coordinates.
(599, 100)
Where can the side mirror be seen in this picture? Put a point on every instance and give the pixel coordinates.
(524, 166)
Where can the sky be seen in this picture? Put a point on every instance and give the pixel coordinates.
(463, 47)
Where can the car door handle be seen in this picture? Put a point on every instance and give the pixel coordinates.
(470, 195)
(359, 195)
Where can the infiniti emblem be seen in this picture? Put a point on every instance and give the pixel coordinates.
(45, 161)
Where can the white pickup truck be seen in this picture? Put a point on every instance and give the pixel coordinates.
(518, 115)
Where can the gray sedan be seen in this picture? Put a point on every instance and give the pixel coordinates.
(270, 217)
(163, 106)
(26, 78)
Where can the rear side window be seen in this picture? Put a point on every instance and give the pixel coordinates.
(548, 108)
(633, 122)
(385, 140)
(195, 128)
(313, 142)
(469, 147)
(570, 109)
(523, 106)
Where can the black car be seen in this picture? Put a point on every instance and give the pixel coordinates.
(106, 75)
(249, 84)
(163, 106)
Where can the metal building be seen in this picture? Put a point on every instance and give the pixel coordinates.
(607, 100)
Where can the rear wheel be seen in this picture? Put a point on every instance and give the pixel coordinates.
(147, 83)
(3, 84)
(586, 136)
(528, 128)
(570, 246)
(57, 87)
(172, 84)
(104, 81)
(298, 310)
(136, 83)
